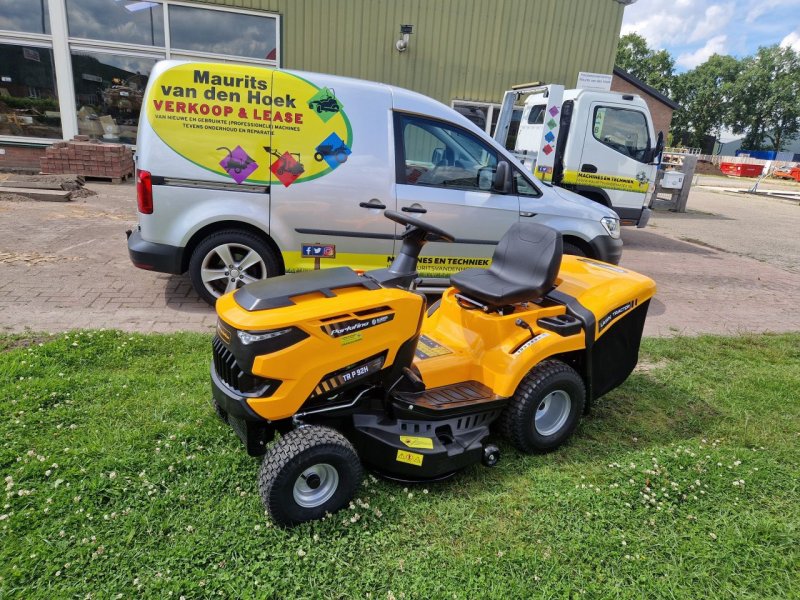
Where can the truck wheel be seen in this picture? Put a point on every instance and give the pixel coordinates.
(573, 250)
(309, 472)
(228, 259)
(545, 409)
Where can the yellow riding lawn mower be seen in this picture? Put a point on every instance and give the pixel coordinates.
(353, 369)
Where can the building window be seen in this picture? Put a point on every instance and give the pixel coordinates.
(113, 45)
(30, 16)
(28, 99)
(121, 22)
(222, 32)
(108, 94)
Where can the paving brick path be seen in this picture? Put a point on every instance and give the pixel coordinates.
(65, 266)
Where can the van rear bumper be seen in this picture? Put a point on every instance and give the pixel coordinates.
(607, 249)
(154, 257)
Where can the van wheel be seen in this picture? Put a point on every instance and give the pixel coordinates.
(573, 250)
(227, 260)
(545, 410)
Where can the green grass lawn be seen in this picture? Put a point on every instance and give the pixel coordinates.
(120, 481)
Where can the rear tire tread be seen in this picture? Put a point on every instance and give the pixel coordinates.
(513, 422)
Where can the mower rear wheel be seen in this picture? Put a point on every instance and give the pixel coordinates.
(309, 472)
(545, 409)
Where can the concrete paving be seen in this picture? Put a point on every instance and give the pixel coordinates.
(731, 264)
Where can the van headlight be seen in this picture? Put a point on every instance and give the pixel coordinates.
(251, 337)
(611, 225)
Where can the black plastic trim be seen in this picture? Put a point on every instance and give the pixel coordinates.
(576, 309)
(382, 236)
(277, 292)
(209, 185)
(606, 248)
(232, 403)
(155, 257)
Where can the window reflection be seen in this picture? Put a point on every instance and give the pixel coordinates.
(28, 99)
(237, 34)
(108, 92)
(30, 16)
(127, 22)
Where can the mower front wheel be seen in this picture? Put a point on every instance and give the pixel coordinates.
(309, 472)
(545, 409)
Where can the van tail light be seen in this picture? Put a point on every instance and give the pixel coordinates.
(144, 192)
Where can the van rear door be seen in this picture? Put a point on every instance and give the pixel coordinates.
(332, 173)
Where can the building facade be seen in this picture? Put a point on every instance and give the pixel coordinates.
(71, 67)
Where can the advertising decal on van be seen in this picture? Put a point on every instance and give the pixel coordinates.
(259, 125)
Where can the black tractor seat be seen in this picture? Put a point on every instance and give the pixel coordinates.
(524, 268)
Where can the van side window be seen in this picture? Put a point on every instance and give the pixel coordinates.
(524, 187)
(440, 155)
(623, 130)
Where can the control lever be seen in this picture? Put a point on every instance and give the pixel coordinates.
(523, 325)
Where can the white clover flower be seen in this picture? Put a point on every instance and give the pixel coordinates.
(301, 553)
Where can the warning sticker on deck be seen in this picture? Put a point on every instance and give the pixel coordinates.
(411, 441)
(428, 348)
(412, 458)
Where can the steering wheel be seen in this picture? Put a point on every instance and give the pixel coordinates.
(433, 233)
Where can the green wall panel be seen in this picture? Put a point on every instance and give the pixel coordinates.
(460, 49)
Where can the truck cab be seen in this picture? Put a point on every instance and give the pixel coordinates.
(601, 145)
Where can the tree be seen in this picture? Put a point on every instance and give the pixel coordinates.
(705, 95)
(766, 99)
(655, 68)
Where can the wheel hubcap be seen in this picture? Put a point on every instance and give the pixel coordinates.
(552, 412)
(230, 266)
(316, 485)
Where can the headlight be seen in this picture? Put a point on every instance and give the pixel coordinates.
(611, 225)
(250, 337)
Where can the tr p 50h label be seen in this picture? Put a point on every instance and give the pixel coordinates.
(353, 325)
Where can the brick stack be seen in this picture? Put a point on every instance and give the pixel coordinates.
(89, 158)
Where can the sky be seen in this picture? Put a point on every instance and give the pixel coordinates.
(693, 30)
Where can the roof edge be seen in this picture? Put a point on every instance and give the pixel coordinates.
(649, 90)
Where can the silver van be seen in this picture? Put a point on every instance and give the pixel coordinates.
(246, 173)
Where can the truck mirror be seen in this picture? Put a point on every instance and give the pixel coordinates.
(502, 178)
(658, 149)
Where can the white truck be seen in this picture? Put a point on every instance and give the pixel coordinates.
(599, 144)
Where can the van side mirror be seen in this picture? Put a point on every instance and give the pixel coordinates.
(656, 152)
(502, 178)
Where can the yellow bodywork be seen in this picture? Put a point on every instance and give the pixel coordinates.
(483, 345)
(456, 344)
(302, 366)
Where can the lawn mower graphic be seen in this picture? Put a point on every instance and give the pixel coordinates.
(234, 164)
(287, 164)
(327, 103)
(352, 370)
(337, 152)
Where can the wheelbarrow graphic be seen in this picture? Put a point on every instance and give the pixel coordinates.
(338, 152)
(234, 164)
(288, 162)
(327, 103)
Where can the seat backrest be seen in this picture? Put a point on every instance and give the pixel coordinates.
(529, 254)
